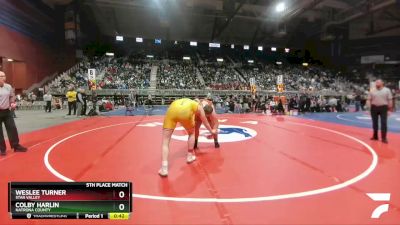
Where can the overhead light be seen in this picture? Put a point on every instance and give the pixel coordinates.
(150, 56)
(186, 58)
(260, 48)
(273, 49)
(305, 64)
(250, 61)
(280, 7)
(139, 39)
(193, 43)
(246, 47)
(214, 45)
(220, 59)
(232, 46)
(119, 38)
(287, 50)
(10, 60)
(109, 54)
(279, 63)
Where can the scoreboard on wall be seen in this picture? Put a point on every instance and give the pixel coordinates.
(70, 200)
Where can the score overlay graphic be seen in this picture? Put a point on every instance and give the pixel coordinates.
(66, 200)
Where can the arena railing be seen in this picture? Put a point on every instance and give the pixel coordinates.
(162, 92)
(189, 92)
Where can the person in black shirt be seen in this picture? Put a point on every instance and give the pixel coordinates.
(280, 108)
(84, 107)
(307, 104)
(231, 106)
(79, 101)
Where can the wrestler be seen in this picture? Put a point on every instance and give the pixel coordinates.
(183, 111)
(212, 119)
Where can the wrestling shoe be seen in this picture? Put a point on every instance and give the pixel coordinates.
(190, 158)
(163, 171)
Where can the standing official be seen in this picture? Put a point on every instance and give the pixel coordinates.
(380, 101)
(7, 103)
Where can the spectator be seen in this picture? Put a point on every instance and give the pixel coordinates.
(71, 96)
(280, 108)
(357, 102)
(333, 102)
(34, 97)
(48, 98)
(84, 98)
(79, 103)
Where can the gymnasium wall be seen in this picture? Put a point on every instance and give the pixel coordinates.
(32, 60)
(28, 36)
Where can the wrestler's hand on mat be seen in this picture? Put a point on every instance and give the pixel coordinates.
(214, 131)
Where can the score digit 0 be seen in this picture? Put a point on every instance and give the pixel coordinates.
(121, 194)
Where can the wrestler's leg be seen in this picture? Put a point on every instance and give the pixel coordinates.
(167, 133)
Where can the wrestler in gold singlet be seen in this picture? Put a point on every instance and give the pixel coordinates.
(183, 111)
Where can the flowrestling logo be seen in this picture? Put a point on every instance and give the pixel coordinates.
(226, 133)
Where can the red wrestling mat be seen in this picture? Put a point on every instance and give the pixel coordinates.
(269, 170)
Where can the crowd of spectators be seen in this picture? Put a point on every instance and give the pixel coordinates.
(299, 78)
(178, 76)
(301, 103)
(221, 77)
(111, 73)
(131, 73)
(125, 75)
